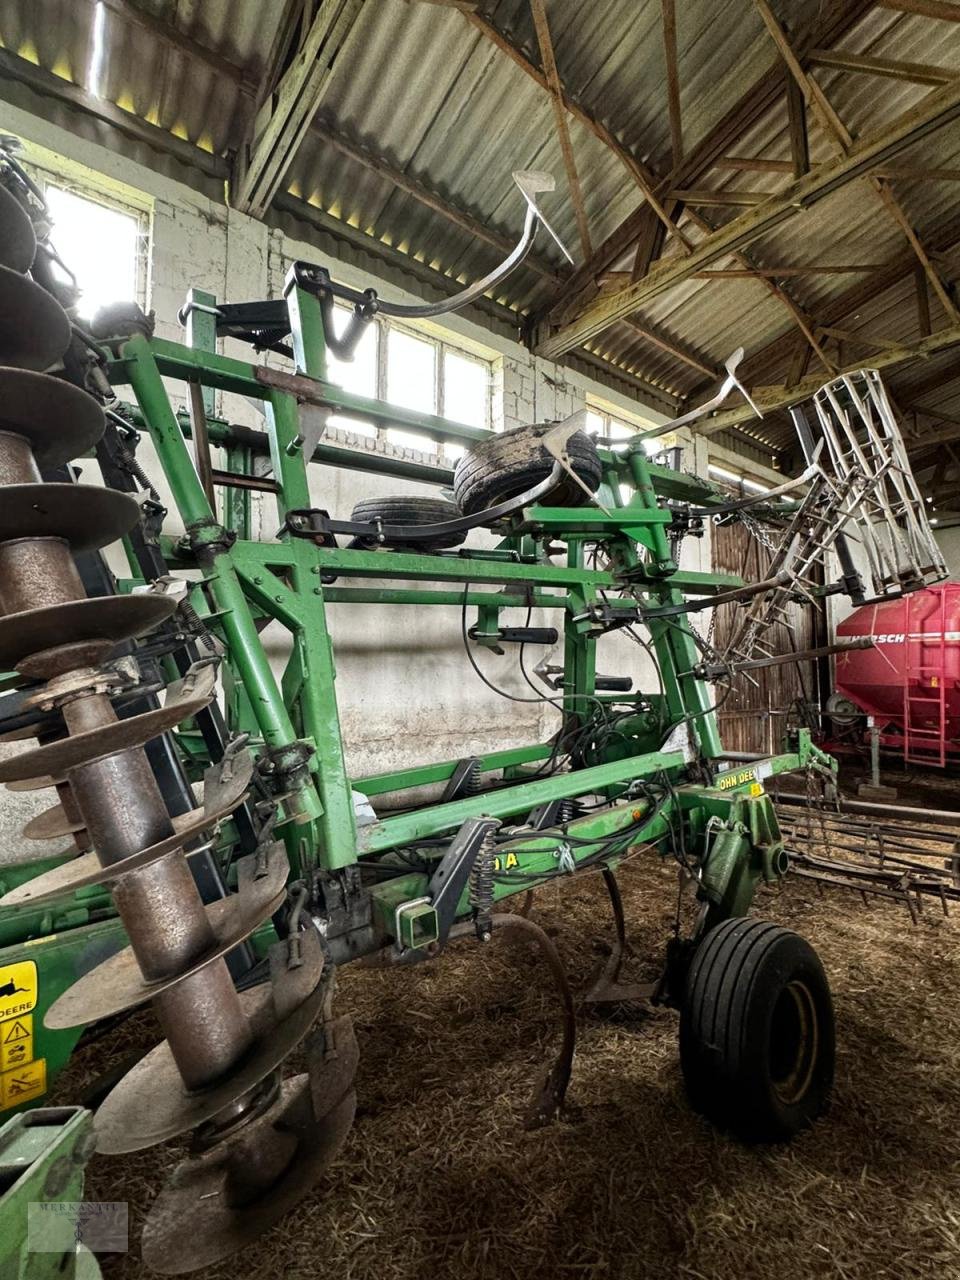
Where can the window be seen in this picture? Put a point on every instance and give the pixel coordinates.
(358, 375)
(742, 482)
(101, 244)
(416, 372)
(610, 427)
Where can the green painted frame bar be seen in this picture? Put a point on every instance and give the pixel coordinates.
(433, 568)
(405, 828)
(176, 361)
(479, 599)
(536, 856)
(378, 784)
(234, 614)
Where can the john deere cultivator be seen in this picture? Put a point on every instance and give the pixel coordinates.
(231, 915)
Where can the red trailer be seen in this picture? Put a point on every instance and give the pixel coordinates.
(910, 680)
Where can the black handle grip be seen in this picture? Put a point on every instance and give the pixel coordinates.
(618, 684)
(528, 635)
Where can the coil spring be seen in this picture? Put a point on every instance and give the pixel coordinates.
(566, 811)
(481, 886)
(471, 782)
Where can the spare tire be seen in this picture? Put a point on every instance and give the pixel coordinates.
(515, 460)
(409, 511)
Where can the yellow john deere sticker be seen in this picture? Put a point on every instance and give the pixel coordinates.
(18, 988)
(23, 1083)
(16, 1042)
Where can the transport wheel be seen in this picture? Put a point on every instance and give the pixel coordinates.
(515, 460)
(756, 1031)
(407, 511)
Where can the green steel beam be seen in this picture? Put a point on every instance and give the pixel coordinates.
(406, 828)
(379, 784)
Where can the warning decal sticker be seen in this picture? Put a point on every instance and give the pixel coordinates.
(18, 988)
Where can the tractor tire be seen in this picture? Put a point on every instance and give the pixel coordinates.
(757, 1040)
(515, 460)
(410, 511)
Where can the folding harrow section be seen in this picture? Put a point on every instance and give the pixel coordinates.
(260, 1142)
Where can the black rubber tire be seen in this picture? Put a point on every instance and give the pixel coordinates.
(515, 460)
(757, 1039)
(411, 511)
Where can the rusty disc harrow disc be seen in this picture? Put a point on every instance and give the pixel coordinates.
(84, 515)
(34, 328)
(118, 984)
(34, 784)
(58, 419)
(220, 798)
(150, 1104)
(215, 1203)
(111, 618)
(18, 241)
(51, 825)
(184, 699)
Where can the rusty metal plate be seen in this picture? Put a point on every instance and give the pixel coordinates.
(220, 798)
(18, 241)
(184, 699)
(52, 824)
(34, 328)
(150, 1104)
(112, 618)
(117, 984)
(85, 515)
(60, 421)
(213, 1206)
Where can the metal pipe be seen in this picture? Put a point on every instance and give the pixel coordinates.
(877, 808)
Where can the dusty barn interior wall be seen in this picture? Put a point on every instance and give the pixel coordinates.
(406, 692)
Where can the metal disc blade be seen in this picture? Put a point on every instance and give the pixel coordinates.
(150, 1104)
(18, 241)
(225, 1199)
(34, 328)
(85, 515)
(52, 824)
(113, 618)
(117, 984)
(184, 699)
(220, 798)
(34, 784)
(60, 421)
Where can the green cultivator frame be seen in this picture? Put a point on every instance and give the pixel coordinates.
(299, 867)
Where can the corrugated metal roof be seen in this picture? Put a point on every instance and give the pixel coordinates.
(423, 92)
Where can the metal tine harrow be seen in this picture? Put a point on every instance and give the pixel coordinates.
(861, 490)
(903, 859)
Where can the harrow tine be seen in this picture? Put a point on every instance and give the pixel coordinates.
(606, 987)
(551, 1087)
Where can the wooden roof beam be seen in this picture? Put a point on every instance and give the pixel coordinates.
(770, 399)
(669, 24)
(924, 8)
(784, 273)
(48, 85)
(641, 175)
(842, 141)
(544, 39)
(858, 295)
(284, 117)
(914, 72)
(937, 109)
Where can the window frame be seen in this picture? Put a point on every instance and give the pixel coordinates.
(383, 327)
(47, 179)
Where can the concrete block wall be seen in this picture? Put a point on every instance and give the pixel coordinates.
(406, 692)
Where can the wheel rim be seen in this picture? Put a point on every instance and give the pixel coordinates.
(794, 1042)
